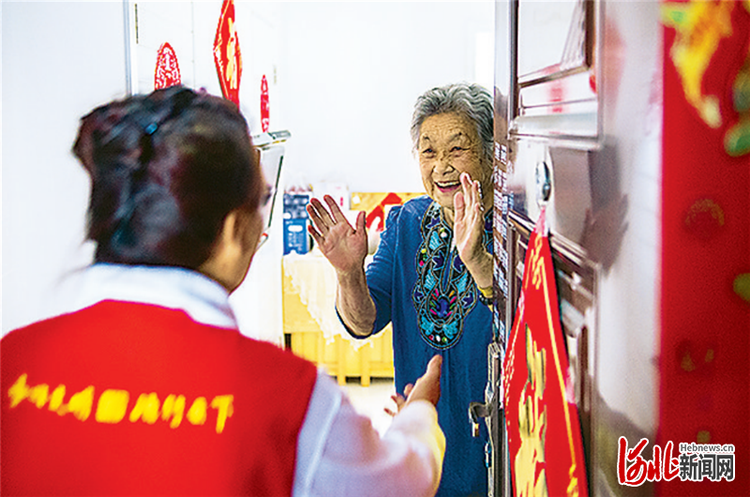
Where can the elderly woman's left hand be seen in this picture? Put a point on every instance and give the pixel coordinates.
(468, 226)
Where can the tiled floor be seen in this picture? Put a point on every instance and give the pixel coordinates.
(371, 401)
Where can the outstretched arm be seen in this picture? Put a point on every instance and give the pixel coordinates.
(339, 453)
(345, 247)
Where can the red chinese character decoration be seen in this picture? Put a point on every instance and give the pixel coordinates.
(376, 217)
(227, 55)
(265, 110)
(167, 72)
(544, 432)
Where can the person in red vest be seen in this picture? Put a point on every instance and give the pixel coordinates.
(146, 386)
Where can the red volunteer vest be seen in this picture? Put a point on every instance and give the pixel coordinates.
(135, 399)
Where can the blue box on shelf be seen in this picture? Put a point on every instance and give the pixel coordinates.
(296, 238)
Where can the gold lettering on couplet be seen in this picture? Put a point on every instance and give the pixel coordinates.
(532, 420)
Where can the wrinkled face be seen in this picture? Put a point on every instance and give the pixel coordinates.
(448, 146)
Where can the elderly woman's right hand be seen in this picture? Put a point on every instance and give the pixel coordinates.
(344, 246)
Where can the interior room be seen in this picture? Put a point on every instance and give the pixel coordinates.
(341, 81)
(570, 238)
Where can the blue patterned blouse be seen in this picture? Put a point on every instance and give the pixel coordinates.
(419, 283)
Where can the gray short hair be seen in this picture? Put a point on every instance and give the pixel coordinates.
(468, 100)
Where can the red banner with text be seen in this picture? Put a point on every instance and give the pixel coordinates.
(544, 431)
(227, 56)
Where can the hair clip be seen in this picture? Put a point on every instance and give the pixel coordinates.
(151, 129)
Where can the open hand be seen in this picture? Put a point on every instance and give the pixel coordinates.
(427, 387)
(468, 222)
(468, 227)
(344, 246)
(399, 400)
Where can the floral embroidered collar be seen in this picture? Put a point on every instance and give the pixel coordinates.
(444, 291)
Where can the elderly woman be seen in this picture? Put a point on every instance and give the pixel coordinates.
(146, 387)
(432, 273)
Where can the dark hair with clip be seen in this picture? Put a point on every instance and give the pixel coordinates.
(166, 169)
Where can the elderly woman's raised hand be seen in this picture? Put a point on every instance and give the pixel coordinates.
(344, 246)
(468, 227)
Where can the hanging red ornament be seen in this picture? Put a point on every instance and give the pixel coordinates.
(167, 72)
(544, 431)
(265, 113)
(227, 56)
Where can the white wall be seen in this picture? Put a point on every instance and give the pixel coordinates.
(190, 28)
(351, 75)
(343, 79)
(59, 60)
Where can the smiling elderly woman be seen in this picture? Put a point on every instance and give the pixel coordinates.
(432, 273)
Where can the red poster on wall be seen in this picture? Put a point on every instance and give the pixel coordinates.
(167, 72)
(227, 56)
(544, 432)
(265, 110)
